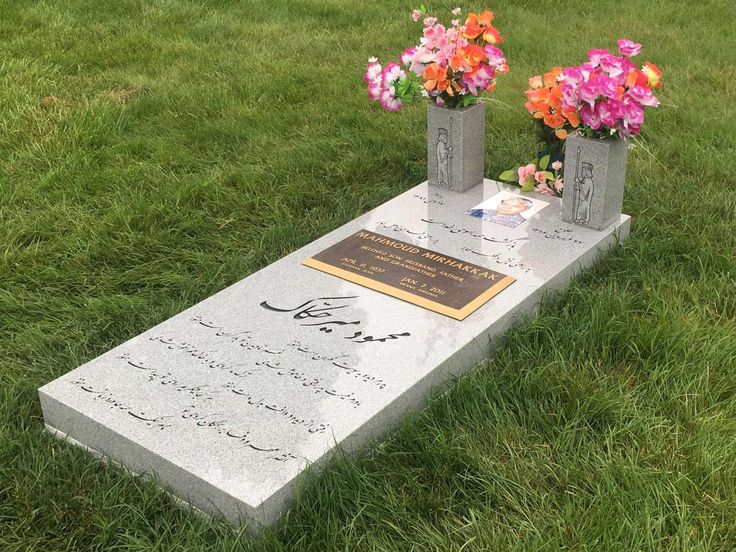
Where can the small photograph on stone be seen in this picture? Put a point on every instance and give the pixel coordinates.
(507, 209)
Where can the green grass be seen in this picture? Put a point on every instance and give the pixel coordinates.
(182, 145)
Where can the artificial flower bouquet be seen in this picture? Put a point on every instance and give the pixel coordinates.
(451, 66)
(601, 98)
(610, 92)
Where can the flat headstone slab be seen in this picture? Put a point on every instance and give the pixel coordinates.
(227, 402)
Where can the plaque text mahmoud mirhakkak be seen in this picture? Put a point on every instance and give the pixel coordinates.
(426, 278)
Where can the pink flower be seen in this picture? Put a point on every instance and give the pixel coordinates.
(610, 112)
(374, 70)
(373, 78)
(544, 190)
(417, 68)
(595, 55)
(407, 55)
(633, 117)
(558, 184)
(430, 21)
(443, 55)
(495, 56)
(541, 177)
(642, 95)
(607, 86)
(588, 92)
(628, 48)
(391, 73)
(573, 75)
(421, 58)
(587, 69)
(480, 78)
(434, 37)
(589, 115)
(389, 100)
(569, 94)
(456, 11)
(374, 90)
(613, 65)
(415, 15)
(525, 172)
(557, 165)
(455, 22)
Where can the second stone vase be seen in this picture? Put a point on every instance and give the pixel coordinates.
(595, 170)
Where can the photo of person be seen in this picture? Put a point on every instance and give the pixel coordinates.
(507, 209)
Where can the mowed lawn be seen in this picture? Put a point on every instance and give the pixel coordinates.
(153, 152)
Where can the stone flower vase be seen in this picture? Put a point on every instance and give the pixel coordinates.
(595, 170)
(456, 140)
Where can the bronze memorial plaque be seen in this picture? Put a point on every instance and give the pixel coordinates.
(420, 276)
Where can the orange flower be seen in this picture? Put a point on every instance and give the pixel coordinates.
(485, 19)
(550, 79)
(555, 97)
(553, 118)
(472, 54)
(456, 62)
(435, 77)
(492, 36)
(472, 28)
(476, 25)
(636, 77)
(538, 95)
(535, 82)
(653, 74)
(572, 116)
(544, 102)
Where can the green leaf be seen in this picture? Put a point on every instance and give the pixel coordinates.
(528, 184)
(404, 88)
(549, 176)
(544, 162)
(527, 187)
(466, 100)
(507, 175)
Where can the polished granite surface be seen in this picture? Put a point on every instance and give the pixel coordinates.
(227, 402)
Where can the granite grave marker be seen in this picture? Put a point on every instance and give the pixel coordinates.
(227, 402)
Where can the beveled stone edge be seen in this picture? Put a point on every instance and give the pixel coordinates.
(250, 516)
